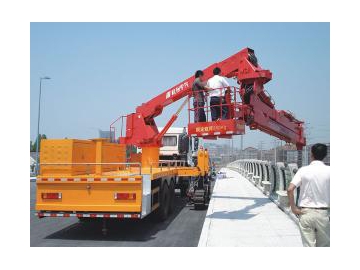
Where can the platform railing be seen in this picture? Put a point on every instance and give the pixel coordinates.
(230, 99)
(121, 120)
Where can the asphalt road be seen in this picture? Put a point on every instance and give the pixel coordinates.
(181, 229)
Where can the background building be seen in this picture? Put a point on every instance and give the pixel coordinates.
(224, 153)
(250, 153)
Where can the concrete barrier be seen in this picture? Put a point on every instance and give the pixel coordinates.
(267, 187)
(256, 180)
(283, 198)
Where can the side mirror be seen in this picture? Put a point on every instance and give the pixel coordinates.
(196, 144)
(183, 144)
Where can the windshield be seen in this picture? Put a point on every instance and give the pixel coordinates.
(169, 140)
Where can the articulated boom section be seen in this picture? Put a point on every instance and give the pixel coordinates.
(247, 105)
(141, 129)
(259, 110)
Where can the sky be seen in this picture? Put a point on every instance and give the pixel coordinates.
(102, 70)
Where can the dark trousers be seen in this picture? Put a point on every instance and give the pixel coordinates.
(218, 111)
(199, 113)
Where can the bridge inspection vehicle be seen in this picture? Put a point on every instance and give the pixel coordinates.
(99, 178)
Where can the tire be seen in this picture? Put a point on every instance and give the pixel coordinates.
(163, 211)
(172, 197)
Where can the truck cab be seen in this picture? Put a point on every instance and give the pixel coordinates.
(175, 144)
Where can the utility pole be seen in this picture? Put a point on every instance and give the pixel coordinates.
(241, 146)
(307, 128)
(281, 155)
(38, 139)
(275, 150)
(228, 151)
(261, 149)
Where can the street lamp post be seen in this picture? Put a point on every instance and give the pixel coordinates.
(241, 146)
(38, 128)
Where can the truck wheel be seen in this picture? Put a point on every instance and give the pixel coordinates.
(163, 211)
(172, 197)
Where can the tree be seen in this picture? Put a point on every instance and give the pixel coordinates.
(34, 145)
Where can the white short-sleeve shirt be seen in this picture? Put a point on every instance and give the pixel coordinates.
(314, 183)
(217, 82)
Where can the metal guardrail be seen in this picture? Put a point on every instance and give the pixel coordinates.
(276, 176)
(162, 164)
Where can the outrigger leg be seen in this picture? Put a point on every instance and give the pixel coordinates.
(202, 193)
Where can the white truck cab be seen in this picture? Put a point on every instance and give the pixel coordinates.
(175, 143)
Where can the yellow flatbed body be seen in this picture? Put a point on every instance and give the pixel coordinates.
(90, 179)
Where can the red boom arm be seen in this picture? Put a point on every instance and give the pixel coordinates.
(258, 108)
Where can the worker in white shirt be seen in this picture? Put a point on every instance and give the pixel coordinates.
(313, 207)
(218, 107)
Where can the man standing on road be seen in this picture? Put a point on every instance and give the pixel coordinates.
(314, 199)
(198, 88)
(217, 96)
